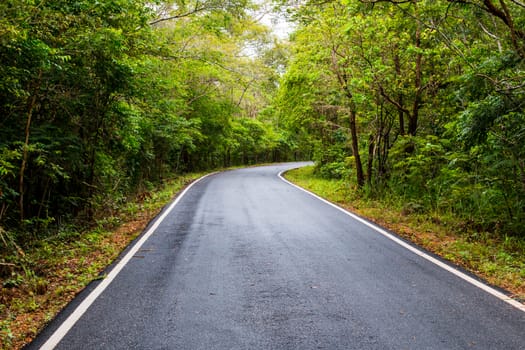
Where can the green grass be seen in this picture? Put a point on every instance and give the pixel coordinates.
(498, 259)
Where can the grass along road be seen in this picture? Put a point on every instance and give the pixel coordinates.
(46, 277)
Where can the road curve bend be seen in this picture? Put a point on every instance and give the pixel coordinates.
(244, 260)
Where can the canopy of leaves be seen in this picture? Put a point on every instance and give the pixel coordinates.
(100, 100)
(431, 91)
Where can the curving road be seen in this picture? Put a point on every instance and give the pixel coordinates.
(247, 261)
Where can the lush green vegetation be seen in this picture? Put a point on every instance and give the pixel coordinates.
(55, 269)
(100, 101)
(421, 100)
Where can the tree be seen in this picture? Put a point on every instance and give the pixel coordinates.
(437, 88)
(100, 100)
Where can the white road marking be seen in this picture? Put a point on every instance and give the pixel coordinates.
(64, 328)
(413, 249)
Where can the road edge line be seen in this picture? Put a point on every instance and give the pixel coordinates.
(483, 286)
(73, 318)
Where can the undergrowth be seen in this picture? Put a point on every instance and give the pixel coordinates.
(38, 281)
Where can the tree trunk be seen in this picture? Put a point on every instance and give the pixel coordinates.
(413, 117)
(401, 113)
(343, 81)
(25, 150)
(355, 150)
(371, 156)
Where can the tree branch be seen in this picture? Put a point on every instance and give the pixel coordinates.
(196, 10)
(392, 101)
(519, 3)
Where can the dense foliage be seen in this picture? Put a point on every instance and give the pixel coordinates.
(421, 100)
(100, 100)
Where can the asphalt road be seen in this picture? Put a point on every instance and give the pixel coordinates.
(247, 261)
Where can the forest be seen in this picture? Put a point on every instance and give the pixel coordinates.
(417, 100)
(102, 101)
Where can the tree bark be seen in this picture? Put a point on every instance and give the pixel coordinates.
(371, 156)
(355, 149)
(343, 82)
(25, 150)
(401, 113)
(414, 116)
